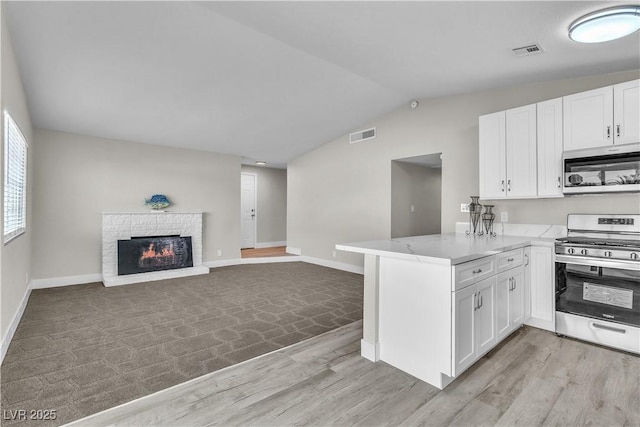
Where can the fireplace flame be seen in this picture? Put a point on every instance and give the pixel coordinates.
(151, 252)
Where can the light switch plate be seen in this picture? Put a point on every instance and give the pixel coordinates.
(464, 207)
(504, 216)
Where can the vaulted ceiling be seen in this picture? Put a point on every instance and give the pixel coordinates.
(273, 80)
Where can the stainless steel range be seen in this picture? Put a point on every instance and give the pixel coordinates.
(598, 280)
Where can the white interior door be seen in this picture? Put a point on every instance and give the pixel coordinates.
(248, 210)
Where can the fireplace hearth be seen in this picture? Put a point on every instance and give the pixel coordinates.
(154, 253)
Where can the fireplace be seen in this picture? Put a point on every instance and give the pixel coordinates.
(154, 253)
(129, 226)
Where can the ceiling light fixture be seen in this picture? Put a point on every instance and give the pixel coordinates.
(261, 163)
(606, 24)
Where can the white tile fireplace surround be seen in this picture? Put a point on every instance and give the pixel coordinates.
(122, 226)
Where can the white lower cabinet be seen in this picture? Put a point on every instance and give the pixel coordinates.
(474, 323)
(540, 275)
(435, 320)
(510, 290)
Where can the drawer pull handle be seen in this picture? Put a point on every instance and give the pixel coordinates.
(479, 270)
(510, 260)
(608, 328)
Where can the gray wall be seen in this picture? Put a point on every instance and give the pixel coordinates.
(340, 192)
(419, 186)
(272, 204)
(79, 177)
(15, 257)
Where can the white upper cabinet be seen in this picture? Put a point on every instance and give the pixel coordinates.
(492, 153)
(507, 153)
(550, 148)
(626, 112)
(521, 152)
(601, 117)
(588, 119)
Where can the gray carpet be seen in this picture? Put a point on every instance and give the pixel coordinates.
(81, 349)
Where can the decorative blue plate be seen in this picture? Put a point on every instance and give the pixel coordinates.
(157, 201)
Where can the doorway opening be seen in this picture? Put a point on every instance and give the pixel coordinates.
(263, 213)
(416, 195)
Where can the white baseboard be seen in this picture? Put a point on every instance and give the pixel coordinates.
(270, 244)
(6, 340)
(293, 251)
(370, 351)
(311, 260)
(54, 282)
(333, 264)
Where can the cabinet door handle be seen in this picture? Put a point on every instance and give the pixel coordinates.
(527, 258)
(502, 186)
(618, 130)
(510, 284)
(558, 182)
(480, 296)
(479, 270)
(475, 302)
(515, 284)
(509, 185)
(608, 132)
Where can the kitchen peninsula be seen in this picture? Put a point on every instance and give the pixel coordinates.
(435, 304)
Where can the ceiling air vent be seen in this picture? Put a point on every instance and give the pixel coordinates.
(532, 49)
(362, 135)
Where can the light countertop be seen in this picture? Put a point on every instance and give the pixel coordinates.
(450, 249)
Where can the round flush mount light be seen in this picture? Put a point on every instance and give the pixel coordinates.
(261, 163)
(605, 25)
(414, 104)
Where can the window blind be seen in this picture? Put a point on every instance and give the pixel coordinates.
(15, 180)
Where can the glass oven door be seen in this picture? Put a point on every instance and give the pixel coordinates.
(600, 289)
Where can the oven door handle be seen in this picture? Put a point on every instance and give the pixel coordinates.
(608, 328)
(597, 262)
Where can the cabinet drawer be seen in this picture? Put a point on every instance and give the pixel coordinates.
(509, 260)
(473, 271)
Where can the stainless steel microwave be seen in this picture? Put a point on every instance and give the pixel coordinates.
(615, 168)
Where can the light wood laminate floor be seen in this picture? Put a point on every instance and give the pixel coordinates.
(533, 378)
(264, 252)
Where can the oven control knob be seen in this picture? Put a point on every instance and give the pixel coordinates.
(584, 252)
(633, 255)
(571, 251)
(608, 254)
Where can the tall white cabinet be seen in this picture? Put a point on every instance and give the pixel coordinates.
(603, 116)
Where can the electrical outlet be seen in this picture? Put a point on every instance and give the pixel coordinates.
(464, 207)
(334, 254)
(504, 216)
(412, 209)
(219, 252)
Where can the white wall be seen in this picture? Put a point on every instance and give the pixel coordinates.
(78, 177)
(420, 187)
(16, 255)
(340, 192)
(271, 211)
